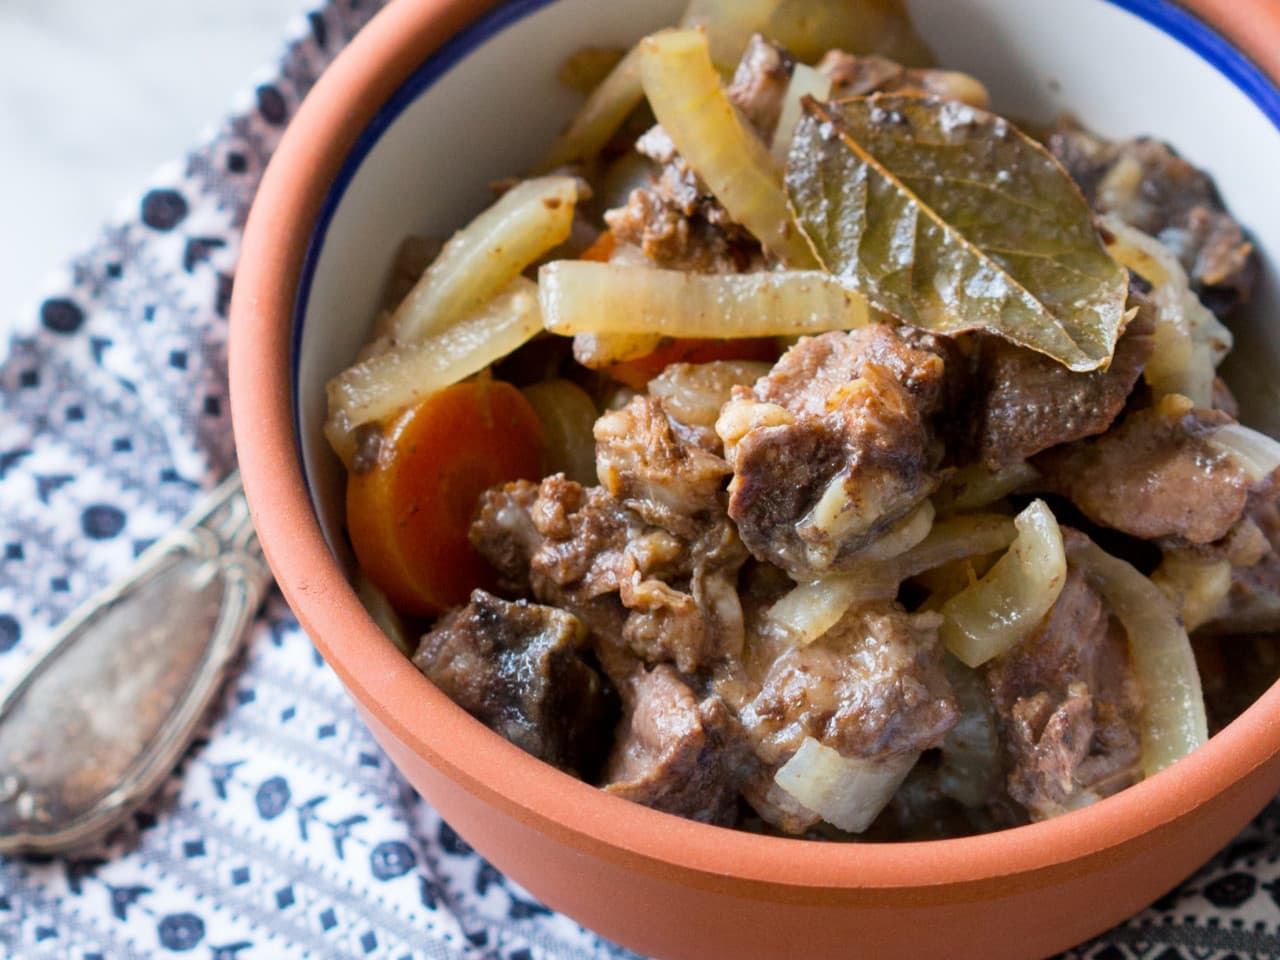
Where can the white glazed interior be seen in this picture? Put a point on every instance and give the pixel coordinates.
(495, 111)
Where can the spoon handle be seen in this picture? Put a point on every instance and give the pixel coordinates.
(97, 721)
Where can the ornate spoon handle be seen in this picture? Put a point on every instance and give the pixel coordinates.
(102, 716)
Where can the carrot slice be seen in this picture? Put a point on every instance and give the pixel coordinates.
(602, 249)
(638, 372)
(409, 514)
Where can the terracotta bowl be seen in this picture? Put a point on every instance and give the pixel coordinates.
(438, 97)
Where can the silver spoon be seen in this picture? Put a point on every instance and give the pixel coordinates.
(103, 714)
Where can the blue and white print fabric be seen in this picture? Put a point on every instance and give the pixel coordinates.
(285, 833)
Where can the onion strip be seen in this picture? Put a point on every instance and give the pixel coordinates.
(810, 609)
(579, 296)
(728, 25)
(974, 487)
(684, 90)
(847, 792)
(805, 82)
(385, 383)
(479, 260)
(1190, 341)
(1000, 610)
(600, 116)
(1257, 454)
(1173, 714)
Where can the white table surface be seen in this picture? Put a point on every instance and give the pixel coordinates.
(94, 96)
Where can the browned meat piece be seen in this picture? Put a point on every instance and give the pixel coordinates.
(871, 687)
(516, 668)
(681, 234)
(1067, 706)
(1149, 186)
(637, 587)
(1155, 475)
(676, 754)
(833, 448)
(676, 222)
(858, 76)
(759, 84)
(563, 542)
(806, 376)
(1028, 402)
(642, 463)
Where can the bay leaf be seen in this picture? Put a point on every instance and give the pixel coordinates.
(953, 220)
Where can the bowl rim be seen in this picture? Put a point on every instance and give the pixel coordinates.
(310, 158)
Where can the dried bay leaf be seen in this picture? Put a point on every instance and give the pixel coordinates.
(951, 219)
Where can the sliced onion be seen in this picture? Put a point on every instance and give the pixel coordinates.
(385, 383)
(809, 28)
(728, 25)
(1198, 587)
(1189, 340)
(696, 393)
(1257, 454)
(596, 351)
(1000, 610)
(954, 538)
(811, 609)
(568, 417)
(684, 90)
(908, 532)
(383, 613)
(847, 792)
(1173, 714)
(805, 82)
(975, 487)
(528, 220)
(579, 296)
(600, 116)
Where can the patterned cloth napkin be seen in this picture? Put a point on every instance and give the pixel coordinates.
(286, 833)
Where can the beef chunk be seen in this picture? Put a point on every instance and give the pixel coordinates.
(1149, 186)
(833, 448)
(516, 667)
(1067, 706)
(642, 463)
(804, 380)
(759, 84)
(679, 226)
(675, 220)
(676, 753)
(871, 687)
(637, 587)
(1028, 402)
(1155, 475)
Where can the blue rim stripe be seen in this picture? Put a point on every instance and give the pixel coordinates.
(1200, 38)
(1164, 15)
(448, 55)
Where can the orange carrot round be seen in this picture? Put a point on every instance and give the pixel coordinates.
(408, 516)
